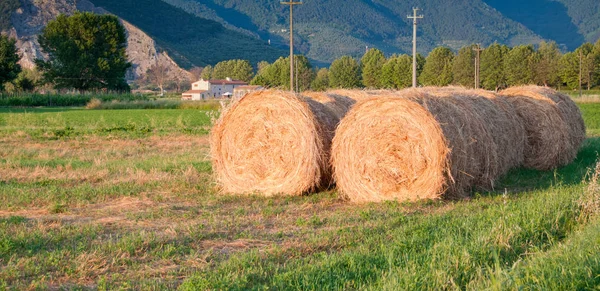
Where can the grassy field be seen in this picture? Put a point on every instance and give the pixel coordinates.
(125, 199)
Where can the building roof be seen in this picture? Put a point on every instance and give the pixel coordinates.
(227, 82)
(248, 87)
(194, 92)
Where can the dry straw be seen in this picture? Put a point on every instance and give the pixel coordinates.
(407, 146)
(553, 124)
(499, 120)
(275, 142)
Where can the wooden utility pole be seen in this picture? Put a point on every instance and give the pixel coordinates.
(477, 50)
(414, 18)
(291, 3)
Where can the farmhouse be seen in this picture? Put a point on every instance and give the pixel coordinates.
(212, 89)
(194, 95)
(240, 91)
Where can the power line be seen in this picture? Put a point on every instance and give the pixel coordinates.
(291, 3)
(414, 18)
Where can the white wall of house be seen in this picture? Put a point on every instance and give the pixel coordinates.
(214, 90)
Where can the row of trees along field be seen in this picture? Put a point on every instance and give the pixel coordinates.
(86, 52)
(500, 67)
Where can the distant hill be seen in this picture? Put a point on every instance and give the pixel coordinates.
(189, 39)
(328, 29)
(202, 32)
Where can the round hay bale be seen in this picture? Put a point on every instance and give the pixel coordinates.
(411, 148)
(501, 122)
(553, 123)
(273, 142)
(337, 104)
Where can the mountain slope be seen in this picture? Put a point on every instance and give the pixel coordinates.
(327, 29)
(26, 19)
(189, 39)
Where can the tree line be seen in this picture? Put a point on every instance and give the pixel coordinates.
(500, 67)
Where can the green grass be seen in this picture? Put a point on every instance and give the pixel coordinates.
(73, 122)
(34, 99)
(123, 209)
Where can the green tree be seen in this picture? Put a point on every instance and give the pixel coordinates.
(438, 68)
(548, 65)
(9, 68)
(581, 61)
(371, 65)
(491, 68)
(24, 83)
(344, 73)
(463, 67)
(235, 69)
(207, 73)
(397, 72)
(321, 81)
(569, 70)
(277, 75)
(588, 65)
(86, 51)
(519, 64)
(595, 63)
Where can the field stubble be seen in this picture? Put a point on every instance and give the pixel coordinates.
(139, 210)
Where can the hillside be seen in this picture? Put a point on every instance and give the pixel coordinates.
(190, 40)
(198, 33)
(25, 20)
(327, 30)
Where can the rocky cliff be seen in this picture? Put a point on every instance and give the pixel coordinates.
(33, 15)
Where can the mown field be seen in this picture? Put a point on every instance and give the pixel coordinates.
(125, 199)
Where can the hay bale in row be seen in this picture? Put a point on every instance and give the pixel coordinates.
(553, 123)
(412, 145)
(276, 142)
(500, 122)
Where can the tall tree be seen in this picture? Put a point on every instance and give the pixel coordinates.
(548, 65)
(235, 69)
(9, 69)
(438, 68)
(371, 64)
(581, 61)
(519, 64)
(492, 69)
(344, 73)
(321, 81)
(463, 67)
(569, 70)
(588, 66)
(397, 72)
(277, 75)
(86, 52)
(158, 74)
(207, 73)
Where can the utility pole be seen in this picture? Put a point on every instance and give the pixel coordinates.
(477, 50)
(414, 18)
(291, 3)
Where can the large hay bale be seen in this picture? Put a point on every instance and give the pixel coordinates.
(417, 146)
(553, 123)
(499, 120)
(274, 142)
